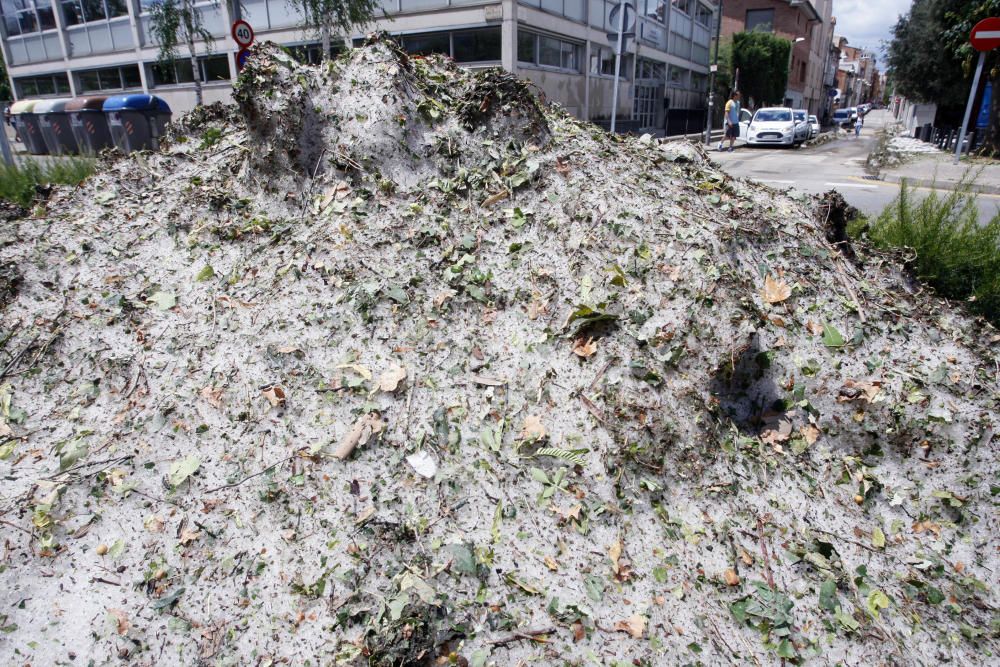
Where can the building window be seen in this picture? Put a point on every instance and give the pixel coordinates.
(651, 70)
(571, 9)
(464, 46)
(476, 46)
(26, 16)
(312, 54)
(48, 84)
(534, 49)
(703, 15)
(761, 20)
(682, 5)
(109, 78)
(654, 9)
(676, 77)
(602, 62)
(76, 12)
(210, 68)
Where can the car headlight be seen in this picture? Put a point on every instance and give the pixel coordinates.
(753, 128)
(789, 128)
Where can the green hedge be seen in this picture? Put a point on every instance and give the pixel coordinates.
(762, 61)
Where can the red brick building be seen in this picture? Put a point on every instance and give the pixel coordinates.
(807, 24)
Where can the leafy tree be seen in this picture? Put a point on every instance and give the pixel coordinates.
(761, 60)
(176, 22)
(327, 17)
(5, 92)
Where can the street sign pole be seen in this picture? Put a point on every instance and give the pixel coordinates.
(618, 63)
(969, 105)
(984, 38)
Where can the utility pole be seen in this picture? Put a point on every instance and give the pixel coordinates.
(711, 78)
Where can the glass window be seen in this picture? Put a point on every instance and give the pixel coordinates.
(683, 5)
(93, 10)
(549, 51)
(28, 21)
(46, 86)
(427, 43)
(598, 13)
(217, 68)
(130, 76)
(163, 75)
(110, 78)
(72, 12)
(760, 19)
(772, 116)
(28, 86)
(477, 45)
(568, 56)
(703, 15)
(525, 46)
(654, 9)
(89, 81)
(62, 84)
(602, 61)
(573, 9)
(46, 18)
(116, 8)
(554, 6)
(185, 74)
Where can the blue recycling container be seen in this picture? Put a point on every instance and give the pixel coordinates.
(137, 122)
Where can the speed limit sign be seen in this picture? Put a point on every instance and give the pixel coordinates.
(243, 33)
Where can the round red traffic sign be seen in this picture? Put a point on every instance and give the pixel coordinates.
(986, 35)
(242, 33)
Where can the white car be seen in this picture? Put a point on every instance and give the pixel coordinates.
(772, 126)
(813, 127)
(801, 125)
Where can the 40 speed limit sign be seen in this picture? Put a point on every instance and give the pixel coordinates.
(242, 33)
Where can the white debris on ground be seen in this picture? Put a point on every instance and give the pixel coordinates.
(911, 146)
(395, 367)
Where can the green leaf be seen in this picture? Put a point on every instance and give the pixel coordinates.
(595, 587)
(786, 650)
(169, 599)
(464, 560)
(575, 456)
(117, 549)
(934, 595)
(539, 475)
(181, 470)
(828, 595)
(846, 620)
(832, 337)
(876, 601)
(163, 300)
(878, 538)
(397, 294)
(205, 274)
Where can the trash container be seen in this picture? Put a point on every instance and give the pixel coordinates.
(53, 121)
(136, 121)
(89, 124)
(925, 135)
(26, 124)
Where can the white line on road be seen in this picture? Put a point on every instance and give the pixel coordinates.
(772, 180)
(850, 185)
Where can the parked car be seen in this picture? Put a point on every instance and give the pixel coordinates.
(801, 125)
(772, 126)
(813, 127)
(842, 117)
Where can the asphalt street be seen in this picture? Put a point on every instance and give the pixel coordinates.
(838, 165)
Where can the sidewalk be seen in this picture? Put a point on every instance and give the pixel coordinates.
(937, 169)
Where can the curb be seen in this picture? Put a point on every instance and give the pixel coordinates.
(939, 184)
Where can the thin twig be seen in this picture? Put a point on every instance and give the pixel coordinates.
(523, 634)
(763, 551)
(249, 477)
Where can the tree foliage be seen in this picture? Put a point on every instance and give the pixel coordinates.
(762, 61)
(330, 17)
(178, 22)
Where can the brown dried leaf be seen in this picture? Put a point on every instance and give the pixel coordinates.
(390, 380)
(775, 291)
(213, 395)
(815, 328)
(810, 433)
(732, 579)
(551, 563)
(188, 536)
(533, 428)
(562, 166)
(635, 626)
(121, 620)
(367, 427)
(275, 395)
(495, 199)
(584, 347)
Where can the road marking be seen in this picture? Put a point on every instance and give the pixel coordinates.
(774, 180)
(849, 185)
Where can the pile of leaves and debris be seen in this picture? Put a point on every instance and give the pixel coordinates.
(390, 365)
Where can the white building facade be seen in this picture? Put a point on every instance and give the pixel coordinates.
(69, 48)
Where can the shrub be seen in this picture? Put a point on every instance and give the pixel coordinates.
(762, 59)
(17, 183)
(953, 252)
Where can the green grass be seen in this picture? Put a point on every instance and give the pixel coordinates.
(953, 252)
(17, 183)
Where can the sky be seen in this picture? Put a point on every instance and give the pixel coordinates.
(867, 22)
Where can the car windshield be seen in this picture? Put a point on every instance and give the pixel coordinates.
(813, 119)
(800, 115)
(772, 116)
(841, 113)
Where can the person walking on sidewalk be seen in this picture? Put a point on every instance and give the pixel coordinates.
(858, 124)
(732, 121)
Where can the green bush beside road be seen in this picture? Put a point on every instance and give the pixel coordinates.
(952, 251)
(17, 183)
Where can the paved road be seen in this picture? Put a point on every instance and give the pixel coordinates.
(838, 165)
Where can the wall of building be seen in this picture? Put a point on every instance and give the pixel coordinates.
(676, 42)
